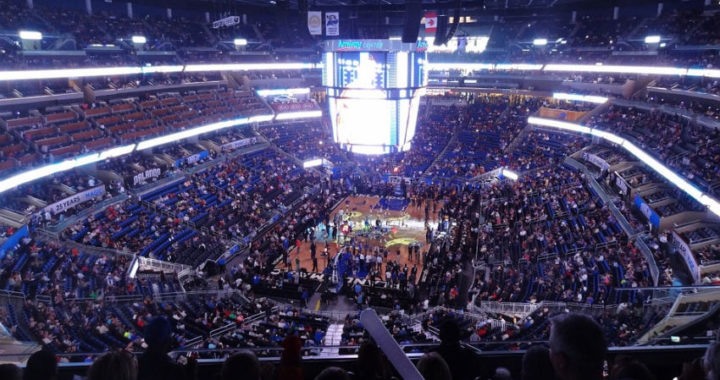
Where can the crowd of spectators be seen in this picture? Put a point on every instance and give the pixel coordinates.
(685, 146)
(546, 237)
(485, 131)
(559, 243)
(307, 141)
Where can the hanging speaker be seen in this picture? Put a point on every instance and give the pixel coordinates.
(413, 15)
(441, 32)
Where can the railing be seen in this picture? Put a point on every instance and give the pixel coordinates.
(652, 265)
(97, 250)
(154, 264)
(12, 294)
(507, 308)
(128, 298)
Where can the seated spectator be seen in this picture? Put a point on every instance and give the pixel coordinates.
(577, 347)
(118, 365)
(242, 365)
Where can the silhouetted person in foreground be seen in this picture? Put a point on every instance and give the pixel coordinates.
(242, 365)
(371, 363)
(577, 347)
(333, 373)
(711, 361)
(627, 368)
(536, 364)
(119, 365)
(463, 362)
(433, 367)
(41, 365)
(154, 363)
(10, 372)
(290, 367)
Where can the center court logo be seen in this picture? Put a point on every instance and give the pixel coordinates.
(400, 241)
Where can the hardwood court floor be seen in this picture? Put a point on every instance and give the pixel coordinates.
(403, 228)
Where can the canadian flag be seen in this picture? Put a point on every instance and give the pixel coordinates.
(430, 21)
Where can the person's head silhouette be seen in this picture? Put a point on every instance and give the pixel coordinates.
(577, 347)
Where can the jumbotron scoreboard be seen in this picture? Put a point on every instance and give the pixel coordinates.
(373, 91)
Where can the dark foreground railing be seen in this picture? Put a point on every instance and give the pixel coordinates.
(664, 361)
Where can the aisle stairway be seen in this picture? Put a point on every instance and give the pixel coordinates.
(332, 340)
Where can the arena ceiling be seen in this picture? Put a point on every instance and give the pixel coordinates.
(472, 6)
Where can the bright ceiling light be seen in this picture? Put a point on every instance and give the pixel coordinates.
(30, 35)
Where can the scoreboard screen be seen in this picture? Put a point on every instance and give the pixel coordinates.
(362, 70)
(373, 97)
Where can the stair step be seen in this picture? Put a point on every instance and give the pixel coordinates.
(333, 338)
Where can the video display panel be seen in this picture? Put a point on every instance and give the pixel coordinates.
(363, 123)
(361, 69)
(373, 95)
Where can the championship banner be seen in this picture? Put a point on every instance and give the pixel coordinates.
(75, 200)
(315, 23)
(684, 250)
(332, 23)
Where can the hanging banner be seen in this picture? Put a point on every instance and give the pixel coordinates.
(431, 20)
(332, 24)
(315, 23)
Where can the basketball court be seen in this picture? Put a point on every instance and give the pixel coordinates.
(393, 223)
